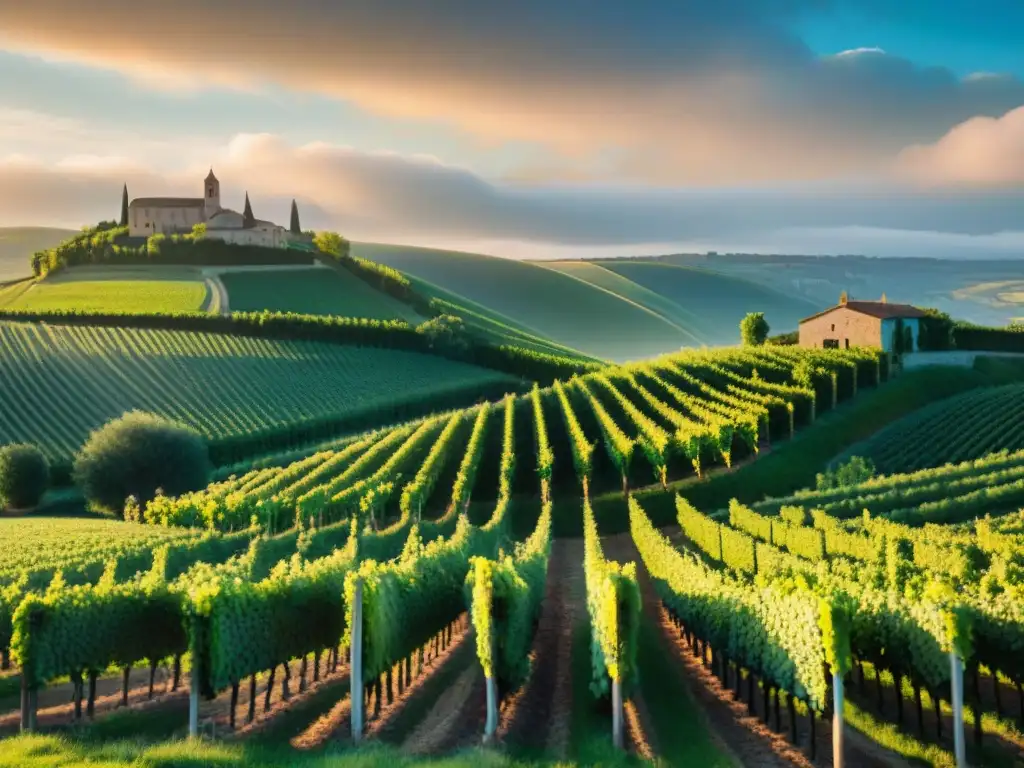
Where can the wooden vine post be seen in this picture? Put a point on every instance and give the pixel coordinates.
(837, 720)
(356, 665)
(617, 729)
(492, 700)
(957, 682)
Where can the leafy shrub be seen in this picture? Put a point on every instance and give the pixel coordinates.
(857, 470)
(754, 329)
(24, 476)
(136, 455)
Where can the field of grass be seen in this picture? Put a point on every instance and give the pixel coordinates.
(609, 310)
(966, 427)
(108, 296)
(17, 244)
(60, 382)
(311, 291)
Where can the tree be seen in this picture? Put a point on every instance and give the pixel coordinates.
(446, 333)
(754, 329)
(332, 243)
(857, 470)
(295, 228)
(137, 454)
(124, 206)
(935, 330)
(24, 476)
(248, 220)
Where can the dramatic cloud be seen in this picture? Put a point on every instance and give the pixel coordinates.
(982, 151)
(381, 196)
(705, 93)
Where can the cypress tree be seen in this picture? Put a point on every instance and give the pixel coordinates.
(295, 228)
(124, 206)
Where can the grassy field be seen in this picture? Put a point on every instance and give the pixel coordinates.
(605, 311)
(61, 382)
(17, 244)
(108, 295)
(311, 291)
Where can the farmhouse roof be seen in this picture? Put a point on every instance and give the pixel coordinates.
(168, 202)
(881, 309)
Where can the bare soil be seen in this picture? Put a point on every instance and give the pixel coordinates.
(540, 716)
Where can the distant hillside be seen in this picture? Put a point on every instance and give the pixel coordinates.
(985, 292)
(609, 310)
(17, 244)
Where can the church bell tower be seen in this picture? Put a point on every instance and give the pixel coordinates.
(211, 195)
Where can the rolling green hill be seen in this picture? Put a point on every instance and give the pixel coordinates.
(311, 291)
(608, 310)
(17, 244)
(716, 303)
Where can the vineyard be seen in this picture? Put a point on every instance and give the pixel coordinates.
(62, 382)
(351, 594)
(967, 427)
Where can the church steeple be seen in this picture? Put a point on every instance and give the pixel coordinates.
(211, 194)
(248, 220)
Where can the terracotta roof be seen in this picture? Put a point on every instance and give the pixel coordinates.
(881, 309)
(168, 202)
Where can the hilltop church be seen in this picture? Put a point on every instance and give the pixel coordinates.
(178, 215)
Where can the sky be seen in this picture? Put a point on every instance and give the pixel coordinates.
(533, 129)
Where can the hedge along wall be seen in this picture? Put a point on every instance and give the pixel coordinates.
(978, 339)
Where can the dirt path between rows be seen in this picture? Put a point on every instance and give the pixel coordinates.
(540, 717)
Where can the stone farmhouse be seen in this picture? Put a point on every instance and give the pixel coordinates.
(863, 324)
(178, 215)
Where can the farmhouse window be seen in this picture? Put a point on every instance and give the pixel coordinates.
(830, 343)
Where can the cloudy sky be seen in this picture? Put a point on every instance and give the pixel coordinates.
(532, 128)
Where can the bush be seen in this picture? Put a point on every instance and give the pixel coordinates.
(24, 476)
(754, 329)
(137, 454)
(857, 470)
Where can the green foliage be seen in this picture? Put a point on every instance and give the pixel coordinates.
(746, 519)
(504, 599)
(70, 630)
(773, 630)
(754, 329)
(295, 227)
(136, 455)
(705, 533)
(545, 456)
(417, 492)
(855, 471)
(613, 602)
(445, 333)
(738, 551)
(462, 489)
(582, 449)
(24, 476)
